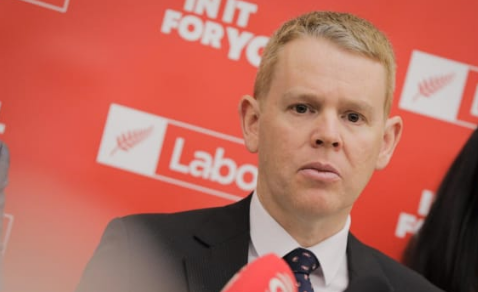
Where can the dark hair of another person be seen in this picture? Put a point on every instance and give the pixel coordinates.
(445, 250)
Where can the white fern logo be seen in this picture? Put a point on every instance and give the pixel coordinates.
(130, 139)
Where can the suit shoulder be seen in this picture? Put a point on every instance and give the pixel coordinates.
(401, 277)
(178, 223)
(182, 215)
(188, 218)
(165, 221)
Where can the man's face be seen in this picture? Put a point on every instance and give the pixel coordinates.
(320, 132)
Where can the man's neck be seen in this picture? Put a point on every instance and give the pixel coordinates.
(308, 229)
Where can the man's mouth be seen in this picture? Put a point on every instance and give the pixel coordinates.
(321, 171)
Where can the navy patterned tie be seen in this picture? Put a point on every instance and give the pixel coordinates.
(302, 262)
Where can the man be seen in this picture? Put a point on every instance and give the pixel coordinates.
(319, 124)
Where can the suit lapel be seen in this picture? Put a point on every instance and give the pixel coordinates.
(225, 238)
(365, 272)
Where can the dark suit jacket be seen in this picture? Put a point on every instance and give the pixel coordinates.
(200, 250)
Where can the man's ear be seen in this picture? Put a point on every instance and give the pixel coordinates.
(249, 114)
(391, 137)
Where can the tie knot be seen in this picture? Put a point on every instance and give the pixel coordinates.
(302, 260)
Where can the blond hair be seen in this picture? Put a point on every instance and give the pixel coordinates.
(347, 31)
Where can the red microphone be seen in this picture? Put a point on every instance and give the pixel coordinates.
(269, 273)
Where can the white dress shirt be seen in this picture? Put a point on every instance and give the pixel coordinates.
(267, 236)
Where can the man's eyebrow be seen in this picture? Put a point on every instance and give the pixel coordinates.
(302, 95)
(358, 105)
(355, 104)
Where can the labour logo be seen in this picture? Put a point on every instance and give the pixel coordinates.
(441, 88)
(177, 153)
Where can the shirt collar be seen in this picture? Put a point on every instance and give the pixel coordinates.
(268, 236)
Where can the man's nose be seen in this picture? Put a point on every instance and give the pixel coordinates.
(326, 131)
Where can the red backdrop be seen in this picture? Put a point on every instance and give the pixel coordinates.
(118, 107)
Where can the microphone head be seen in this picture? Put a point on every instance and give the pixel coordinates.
(268, 273)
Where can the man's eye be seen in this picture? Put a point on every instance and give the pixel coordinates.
(353, 117)
(301, 108)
